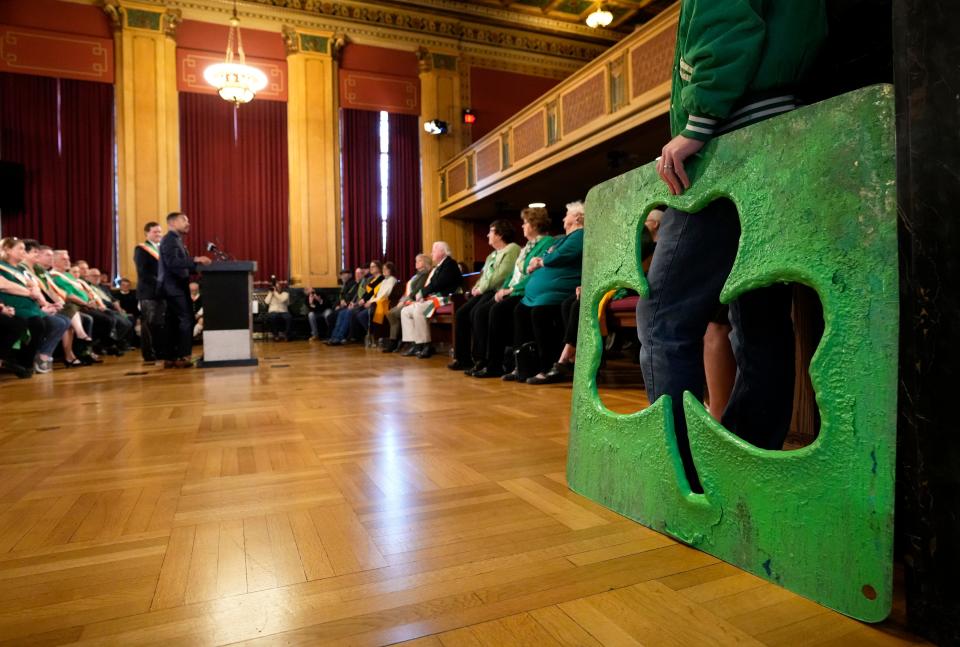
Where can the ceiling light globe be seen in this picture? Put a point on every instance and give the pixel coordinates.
(599, 18)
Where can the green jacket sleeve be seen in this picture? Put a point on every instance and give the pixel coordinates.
(484, 283)
(568, 252)
(722, 50)
(506, 259)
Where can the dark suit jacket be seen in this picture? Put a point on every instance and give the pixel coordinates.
(176, 265)
(147, 271)
(446, 280)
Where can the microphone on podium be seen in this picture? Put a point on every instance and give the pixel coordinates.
(217, 252)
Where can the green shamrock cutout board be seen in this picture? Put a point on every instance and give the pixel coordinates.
(816, 195)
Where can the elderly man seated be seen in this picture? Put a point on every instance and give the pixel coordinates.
(122, 323)
(444, 279)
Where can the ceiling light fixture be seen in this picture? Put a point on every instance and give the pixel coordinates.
(600, 17)
(537, 205)
(235, 82)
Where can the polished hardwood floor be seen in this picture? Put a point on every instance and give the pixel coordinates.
(341, 496)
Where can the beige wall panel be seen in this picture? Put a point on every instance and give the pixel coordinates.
(147, 135)
(314, 170)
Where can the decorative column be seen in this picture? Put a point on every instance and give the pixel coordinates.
(440, 99)
(314, 154)
(148, 146)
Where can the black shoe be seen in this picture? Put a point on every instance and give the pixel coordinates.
(559, 372)
(511, 377)
(476, 368)
(410, 352)
(426, 352)
(457, 365)
(487, 371)
(391, 346)
(22, 372)
(76, 363)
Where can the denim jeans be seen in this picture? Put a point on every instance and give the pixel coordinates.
(342, 328)
(694, 255)
(55, 326)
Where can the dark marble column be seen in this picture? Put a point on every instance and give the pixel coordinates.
(927, 77)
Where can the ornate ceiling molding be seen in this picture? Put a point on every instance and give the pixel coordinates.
(487, 14)
(413, 27)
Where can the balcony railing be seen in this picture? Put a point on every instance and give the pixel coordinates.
(625, 87)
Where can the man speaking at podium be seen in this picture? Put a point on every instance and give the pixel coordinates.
(173, 282)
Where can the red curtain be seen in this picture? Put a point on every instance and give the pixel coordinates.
(404, 232)
(360, 146)
(61, 130)
(234, 181)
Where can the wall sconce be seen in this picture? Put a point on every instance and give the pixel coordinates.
(436, 127)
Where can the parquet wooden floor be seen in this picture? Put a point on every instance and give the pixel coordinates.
(340, 496)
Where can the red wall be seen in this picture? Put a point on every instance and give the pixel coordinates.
(378, 78)
(56, 39)
(381, 60)
(210, 37)
(51, 15)
(495, 96)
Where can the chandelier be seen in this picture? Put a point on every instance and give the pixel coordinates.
(599, 17)
(235, 82)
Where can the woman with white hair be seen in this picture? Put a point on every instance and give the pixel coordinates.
(554, 277)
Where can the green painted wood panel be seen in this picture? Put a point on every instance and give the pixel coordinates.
(816, 195)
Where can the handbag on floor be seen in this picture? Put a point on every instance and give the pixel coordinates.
(527, 361)
(509, 361)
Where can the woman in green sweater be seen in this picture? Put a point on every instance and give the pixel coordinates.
(493, 320)
(45, 329)
(497, 268)
(553, 277)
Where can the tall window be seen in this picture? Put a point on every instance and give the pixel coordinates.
(384, 178)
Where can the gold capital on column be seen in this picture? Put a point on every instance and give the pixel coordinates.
(148, 144)
(314, 157)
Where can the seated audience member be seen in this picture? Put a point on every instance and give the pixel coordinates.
(496, 269)
(562, 369)
(31, 267)
(67, 278)
(347, 325)
(422, 267)
(378, 304)
(97, 299)
(279, 318)
(12, 330)
(127, 298)
(553, 277)
(76, 340)
(123, 325)
(348, 294)
(318, 308)
(196, 304)
(493, 321)
(26, 299)
(444, 279)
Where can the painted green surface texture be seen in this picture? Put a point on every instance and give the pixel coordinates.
(816, 196)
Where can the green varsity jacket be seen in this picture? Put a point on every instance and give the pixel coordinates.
(737, 61)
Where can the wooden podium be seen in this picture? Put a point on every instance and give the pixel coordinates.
(227, 292)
